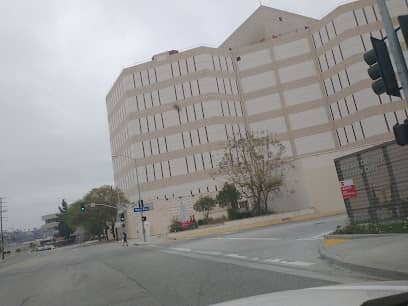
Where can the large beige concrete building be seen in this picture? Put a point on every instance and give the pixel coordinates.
(300, 78)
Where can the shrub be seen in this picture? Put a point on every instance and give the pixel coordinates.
(18, 250)
(175, 226)
(373, 228)
(202, 222)
(235, 215)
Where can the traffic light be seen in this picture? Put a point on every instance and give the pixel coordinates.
(403, 22)
(122, 217)
(401, 133)
(381, 70)
(82, 207)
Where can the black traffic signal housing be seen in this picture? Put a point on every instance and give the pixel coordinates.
(381, 70)
(122, 217)
(403, 22)
(82, 208)
(401, 133)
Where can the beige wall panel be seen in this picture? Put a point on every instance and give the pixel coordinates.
(374, 125)
(302, 94)
(314, 143)
(255, 59)
(263, 104)
(276, 126)
(258, 81)
(297, 71)
(291, 49)
(308, 118)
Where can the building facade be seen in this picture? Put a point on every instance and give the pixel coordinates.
(300, 78)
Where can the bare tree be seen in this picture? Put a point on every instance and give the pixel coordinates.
(257, 166)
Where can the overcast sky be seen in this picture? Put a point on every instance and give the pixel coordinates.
(58, 59)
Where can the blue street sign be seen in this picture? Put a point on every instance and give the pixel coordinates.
(140, 209)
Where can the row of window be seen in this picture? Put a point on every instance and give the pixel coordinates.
(173, 93)
(181, 67)
(169, 168)
(187, 114)
(368, 127)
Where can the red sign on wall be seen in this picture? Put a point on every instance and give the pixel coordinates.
(348, 189)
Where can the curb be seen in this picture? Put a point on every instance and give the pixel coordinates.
(213, 231)
(334, 259)
(360, 236)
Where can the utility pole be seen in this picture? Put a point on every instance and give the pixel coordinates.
(140, 201)
(1, 228)
(395, 47)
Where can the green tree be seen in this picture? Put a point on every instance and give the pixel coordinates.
(228, 196)
(94, 220)
(205, 205)
(64, 229)
(257, 166)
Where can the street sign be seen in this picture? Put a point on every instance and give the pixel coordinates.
(348, 189)
(140, 209)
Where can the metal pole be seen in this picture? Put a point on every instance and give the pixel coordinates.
(395, 47)
(140, 197)
(1, 228)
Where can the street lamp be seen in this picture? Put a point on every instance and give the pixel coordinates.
(138, 191)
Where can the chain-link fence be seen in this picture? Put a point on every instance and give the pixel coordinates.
(374, 183)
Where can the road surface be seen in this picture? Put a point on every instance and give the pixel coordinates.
(194, 272)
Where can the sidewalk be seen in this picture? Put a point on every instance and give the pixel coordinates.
(379, 255)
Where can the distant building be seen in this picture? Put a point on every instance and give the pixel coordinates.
(300, 78)
(50, 223)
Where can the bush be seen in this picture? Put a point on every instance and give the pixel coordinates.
(235, 215)
(202, 222)
(175, 226)
(18, 250)
(373, 228)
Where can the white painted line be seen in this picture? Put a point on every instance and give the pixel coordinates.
(236, 256)
(255, 259)
(208, 253)
(364, 287)
(297, 263)
(247, 238)
(300, 263)
(181, 249)
(273, 260)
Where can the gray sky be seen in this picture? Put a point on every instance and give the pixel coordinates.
(58, 59)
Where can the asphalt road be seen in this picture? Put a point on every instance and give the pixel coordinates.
(195, 272)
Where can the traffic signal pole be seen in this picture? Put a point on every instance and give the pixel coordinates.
(395, 48)
(140, 201)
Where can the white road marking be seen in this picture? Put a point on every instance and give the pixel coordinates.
(181, 249)
(273, 260)
(297, 263)
(246, 238)
(255, 259)
(236, 256)
(208, 253)
(365, 287)
(316, 237)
